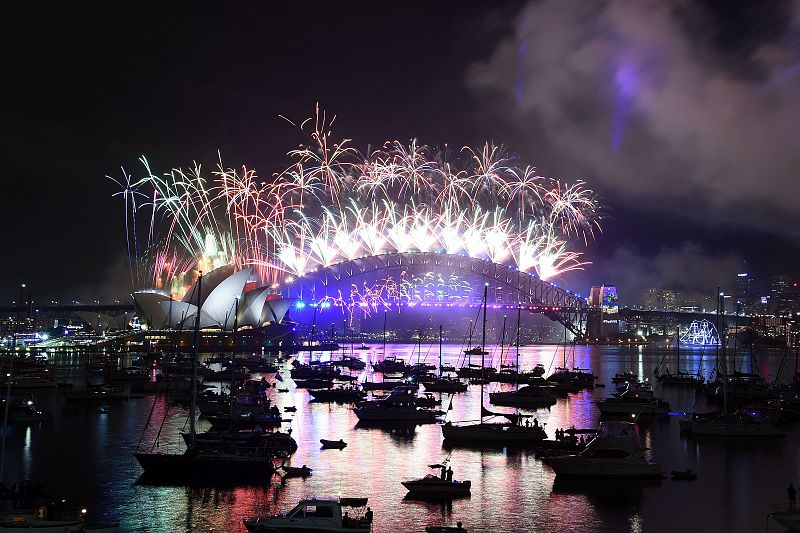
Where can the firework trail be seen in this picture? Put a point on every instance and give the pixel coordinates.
(333, 203)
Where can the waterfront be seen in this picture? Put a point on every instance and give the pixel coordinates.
(87, 458)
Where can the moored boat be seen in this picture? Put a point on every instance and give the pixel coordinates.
(318, 515)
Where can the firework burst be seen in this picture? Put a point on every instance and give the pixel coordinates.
(333, 203)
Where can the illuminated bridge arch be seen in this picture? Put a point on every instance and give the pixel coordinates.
(537, 295)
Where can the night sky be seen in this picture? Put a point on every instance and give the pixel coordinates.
(683, 117)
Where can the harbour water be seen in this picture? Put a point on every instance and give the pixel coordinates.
(86, 458)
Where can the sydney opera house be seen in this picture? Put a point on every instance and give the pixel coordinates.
(227, 301)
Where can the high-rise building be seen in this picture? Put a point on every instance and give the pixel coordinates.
(661, 300)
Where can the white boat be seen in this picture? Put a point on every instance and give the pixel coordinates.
(318, 515)
(788, 519)
(614, 453)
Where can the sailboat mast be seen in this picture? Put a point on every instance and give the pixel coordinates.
(384, 334)
(483, 344)
(519, 314)
(440, 351)
(195, 355)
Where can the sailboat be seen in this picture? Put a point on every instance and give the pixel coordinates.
(527, 396)
(737, 424)
(201, 464)
(442, 383)
(502, 433)
(680, 378)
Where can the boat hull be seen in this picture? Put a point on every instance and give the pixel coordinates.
(713, 429)
(440, 488)
(202, 467)
(502, 434)
(42, 526)
(574, 466)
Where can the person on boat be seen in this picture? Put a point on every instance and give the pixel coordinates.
(346, 519)
(536, 422)
(792, 492)
(444, 472)
(449, 474)
(459, 528)
(368, 515)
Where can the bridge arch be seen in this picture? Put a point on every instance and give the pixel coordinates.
(540, 296)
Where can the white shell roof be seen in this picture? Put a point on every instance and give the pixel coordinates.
(147, 303)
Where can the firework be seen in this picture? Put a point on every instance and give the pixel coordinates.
(333, 204)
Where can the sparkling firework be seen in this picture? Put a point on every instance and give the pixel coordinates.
(333, 204)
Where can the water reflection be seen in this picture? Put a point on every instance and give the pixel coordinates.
(511, 489)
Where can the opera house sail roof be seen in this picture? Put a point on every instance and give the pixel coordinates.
(225, 292)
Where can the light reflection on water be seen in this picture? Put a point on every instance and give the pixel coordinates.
(88, 458)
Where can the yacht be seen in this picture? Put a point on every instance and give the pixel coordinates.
(318, 515)
(527, 396)
(432, 485)
(398, 406)
(636, 399)
(741, 424)
(27, 507)
(614, 453)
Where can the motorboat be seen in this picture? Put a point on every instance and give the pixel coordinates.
(458, 528)
(788, 519)
(318, 515)
(338, 394)
(623, 377)
(499, 433)
(25, 411)
(432, 485)
(579, 378)
(294, 471)
(740, 424)
(337, 444)
(527, 396)
(614, 453)
(449, 385)
(684, 475)
(398, 406)
(389, 365)
(636, 399)
(27, 507)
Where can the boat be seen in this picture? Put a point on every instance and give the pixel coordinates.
(390, 364)
(199, 464)
(527, 396)
(110, 527)
(294, 471)
(624, 377)
(399, 406)
(338, 444)
(317, 515)
(663, 374)
(26, 507)
(502, 434)
(338, 394)
(384, 385)
(636, 399)
(740, 424)
(459, 528)
(788, 519)
(614, 453)
(443, 485)
(684, 475)
(363, 347)
(273, 443)
(25, 411)
(441, 383)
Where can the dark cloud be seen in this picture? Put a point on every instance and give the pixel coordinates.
(688, 267)
(656, 107)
